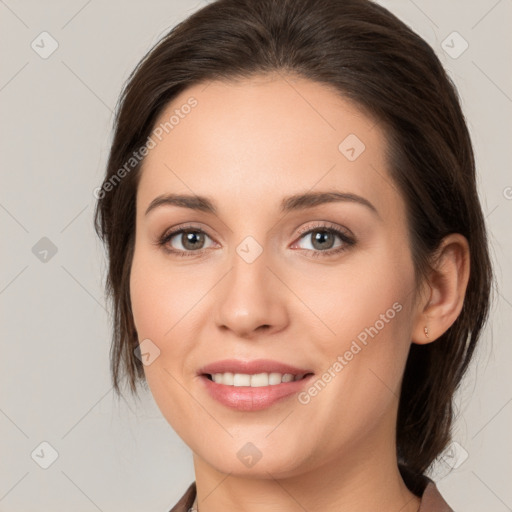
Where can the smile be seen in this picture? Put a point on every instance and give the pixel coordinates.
(243, 395)
(255, 380)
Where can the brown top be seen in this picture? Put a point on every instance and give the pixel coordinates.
(431, 499)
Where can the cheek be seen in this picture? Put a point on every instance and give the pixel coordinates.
(152, 298)
(368, 310)
(168, 309)
(160, 297)
(368, 295)
(159, 314)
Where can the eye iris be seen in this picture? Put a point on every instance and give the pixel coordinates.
(320, 236)
(191, 237)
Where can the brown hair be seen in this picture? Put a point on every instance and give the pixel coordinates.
(374, 60)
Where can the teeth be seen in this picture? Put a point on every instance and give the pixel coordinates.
(256, 380)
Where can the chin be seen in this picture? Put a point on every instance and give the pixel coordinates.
(253, 459)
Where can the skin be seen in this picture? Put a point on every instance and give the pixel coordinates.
(246, 145)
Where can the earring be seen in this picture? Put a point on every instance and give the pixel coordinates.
(426, 331)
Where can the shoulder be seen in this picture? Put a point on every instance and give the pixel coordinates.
(186, 500)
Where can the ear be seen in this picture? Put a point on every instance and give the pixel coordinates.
(447, 283)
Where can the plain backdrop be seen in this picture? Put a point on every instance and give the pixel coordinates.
(57, 407)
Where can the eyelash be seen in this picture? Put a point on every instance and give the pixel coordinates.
(347, 241)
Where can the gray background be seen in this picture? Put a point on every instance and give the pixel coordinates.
(56, 118)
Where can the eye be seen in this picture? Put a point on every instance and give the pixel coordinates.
(190, 241)
(323, 240)
(184, 241)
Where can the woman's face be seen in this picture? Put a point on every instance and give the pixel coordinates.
(265, 277)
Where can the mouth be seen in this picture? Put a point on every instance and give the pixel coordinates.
(253, 385)
(254, 380)
(253, 392)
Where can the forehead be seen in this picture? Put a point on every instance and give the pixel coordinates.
(259, 139)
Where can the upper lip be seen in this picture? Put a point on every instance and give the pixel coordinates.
(251, 367)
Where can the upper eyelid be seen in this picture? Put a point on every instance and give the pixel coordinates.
(327, 225)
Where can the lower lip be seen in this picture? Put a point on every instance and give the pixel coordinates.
(247, 398)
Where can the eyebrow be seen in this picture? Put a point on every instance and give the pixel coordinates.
(292, 203)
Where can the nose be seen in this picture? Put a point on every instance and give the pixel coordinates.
(251, 299)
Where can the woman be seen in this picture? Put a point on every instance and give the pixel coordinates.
(301, 376)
